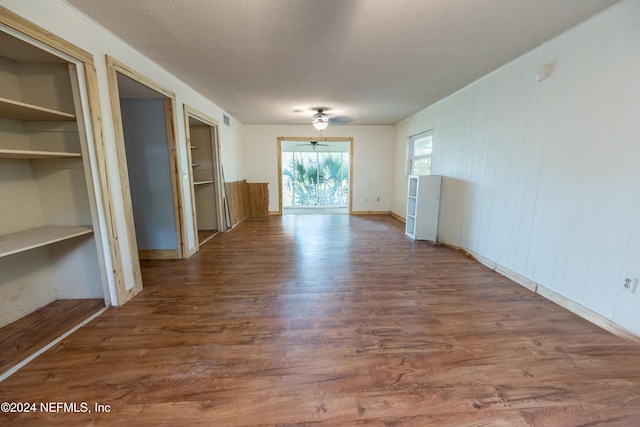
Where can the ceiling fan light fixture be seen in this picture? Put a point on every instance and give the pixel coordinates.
(320, 120)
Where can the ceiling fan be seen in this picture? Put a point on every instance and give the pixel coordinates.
(321, 120)
(313, 144)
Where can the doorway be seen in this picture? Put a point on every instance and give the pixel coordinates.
(207, 186)
(144, 121)
(314, 175)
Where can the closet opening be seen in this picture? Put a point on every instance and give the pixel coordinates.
(146, 139)
(145, 133)
(53, 250)
(207, 186)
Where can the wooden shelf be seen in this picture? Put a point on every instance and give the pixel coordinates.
(30, 154)
(37, 237)
(202, 182)
(21, 111)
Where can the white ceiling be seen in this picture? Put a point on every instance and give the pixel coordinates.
(368, 61)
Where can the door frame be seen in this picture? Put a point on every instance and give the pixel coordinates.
(311, 138)
(113, 68)
(191, 112)
(103, 212)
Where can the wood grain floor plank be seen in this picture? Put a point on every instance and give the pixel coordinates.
(29, 334)
(336, 321)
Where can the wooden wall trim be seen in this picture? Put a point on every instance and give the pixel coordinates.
(586, 313)
(95, 112)
(398, 217)
(174, 164)
(370, 213)
(562, 301)
(199, 115)
(21, 25)
(123, 294)
(139, 77)
(237, 201)
(158, 254)
(258, 199)
(246, 199)
(279, 155)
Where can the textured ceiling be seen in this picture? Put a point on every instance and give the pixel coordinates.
(368, 61)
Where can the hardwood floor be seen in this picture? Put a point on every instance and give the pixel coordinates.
(205, 235)
(20, 339)
(333, 320)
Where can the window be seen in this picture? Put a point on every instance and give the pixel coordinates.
(315, 179)
(315, 175)
(419, 153)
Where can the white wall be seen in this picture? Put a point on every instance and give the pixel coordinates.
(545, 175)
(64, 21)
(372, 151)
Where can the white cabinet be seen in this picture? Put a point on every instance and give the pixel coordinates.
(423, 207)
(48, 250)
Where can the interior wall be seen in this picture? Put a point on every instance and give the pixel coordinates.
(66, 22)
(543, 176)
(372, 149)
(145, 135)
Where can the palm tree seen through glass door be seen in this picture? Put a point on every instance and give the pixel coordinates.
(315, 179)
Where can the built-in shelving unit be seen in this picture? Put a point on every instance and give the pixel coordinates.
(423, 207)
(31, 154)
(22, 111)
(48, 249)
(202, 171)
(21, 241)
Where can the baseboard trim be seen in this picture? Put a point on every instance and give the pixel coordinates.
(158, 254)
(369, 212)
(587, 314)
(398, 217)
(564, 302)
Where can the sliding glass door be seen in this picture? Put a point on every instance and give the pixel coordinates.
(312, 178)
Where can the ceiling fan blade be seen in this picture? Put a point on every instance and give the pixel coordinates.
(341, 120)
(312, 144)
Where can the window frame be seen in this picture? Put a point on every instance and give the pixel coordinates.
(411, 157)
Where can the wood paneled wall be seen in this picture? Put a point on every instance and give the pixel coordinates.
(532, 185)
(258, 199)
(246, 199)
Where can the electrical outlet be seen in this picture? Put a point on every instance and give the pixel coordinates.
(629, 284)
